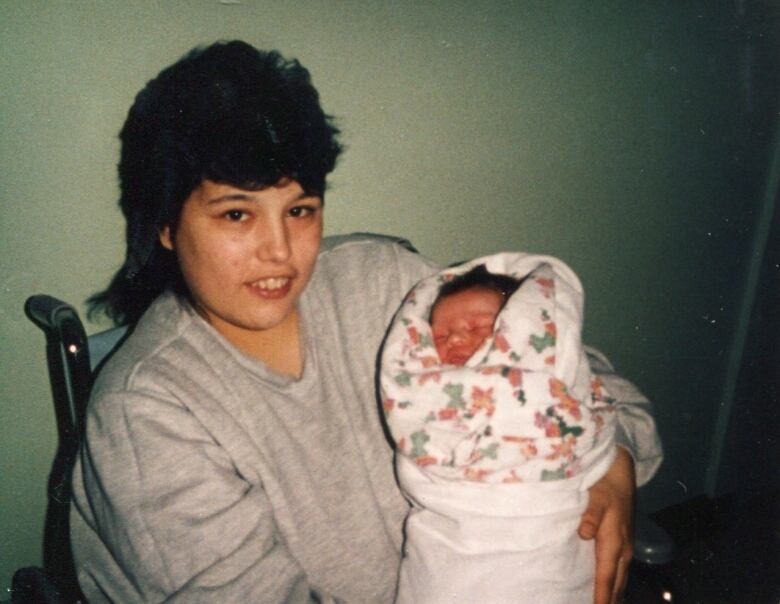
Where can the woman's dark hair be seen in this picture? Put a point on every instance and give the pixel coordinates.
(479, 276)
(228, 113)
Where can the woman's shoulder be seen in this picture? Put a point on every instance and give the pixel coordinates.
(361, 280)
(368, 256)
(158, 347)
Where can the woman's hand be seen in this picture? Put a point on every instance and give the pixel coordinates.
(609, 519)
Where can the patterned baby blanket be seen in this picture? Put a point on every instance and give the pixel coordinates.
(524, 408)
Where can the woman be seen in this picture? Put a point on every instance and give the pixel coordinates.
(234, 451)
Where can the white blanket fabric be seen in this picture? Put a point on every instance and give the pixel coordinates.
(496, 456)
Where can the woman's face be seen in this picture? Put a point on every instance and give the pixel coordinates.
(246, 255)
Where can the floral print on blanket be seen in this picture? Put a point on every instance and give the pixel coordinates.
(525, 408)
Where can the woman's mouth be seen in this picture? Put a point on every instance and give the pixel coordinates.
(272, 287)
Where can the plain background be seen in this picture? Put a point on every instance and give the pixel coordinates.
(634, 140)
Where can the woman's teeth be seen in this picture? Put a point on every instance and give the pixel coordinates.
(272, 283)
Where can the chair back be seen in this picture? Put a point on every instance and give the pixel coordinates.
(72, 358)
(67, 355)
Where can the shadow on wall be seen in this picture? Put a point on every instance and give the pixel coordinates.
(752, 434)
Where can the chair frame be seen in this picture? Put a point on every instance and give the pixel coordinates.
(70, 375)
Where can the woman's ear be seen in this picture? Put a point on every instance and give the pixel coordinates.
(165, 238)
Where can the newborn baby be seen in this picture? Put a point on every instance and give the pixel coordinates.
(500, 429)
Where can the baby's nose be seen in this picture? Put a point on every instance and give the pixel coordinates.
(456, 338)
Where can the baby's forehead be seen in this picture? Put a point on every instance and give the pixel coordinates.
(474, 300)
(473, 292)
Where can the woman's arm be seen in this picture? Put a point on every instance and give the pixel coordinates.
(609, 516)
(635, 431)
(608, 519)
(161, 513)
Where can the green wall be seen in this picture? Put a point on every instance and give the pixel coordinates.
(606, 133)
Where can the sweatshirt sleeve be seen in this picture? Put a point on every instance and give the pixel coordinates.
(636, 430)
(162, 514)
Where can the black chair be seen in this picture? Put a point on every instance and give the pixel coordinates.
(71, 359)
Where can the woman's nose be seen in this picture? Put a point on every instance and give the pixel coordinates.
(273, 243)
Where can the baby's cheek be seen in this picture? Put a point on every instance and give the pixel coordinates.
(474, 345)
(441, 350)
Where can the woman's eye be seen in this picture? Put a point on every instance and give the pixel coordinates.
(302, 211)
(235, 215)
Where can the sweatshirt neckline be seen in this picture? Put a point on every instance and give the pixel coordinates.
(256, 366)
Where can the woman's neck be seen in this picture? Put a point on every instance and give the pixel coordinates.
(279, 348)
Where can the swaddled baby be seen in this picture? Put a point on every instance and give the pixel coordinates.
(500, 429)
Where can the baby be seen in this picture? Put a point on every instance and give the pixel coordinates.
(500, 429)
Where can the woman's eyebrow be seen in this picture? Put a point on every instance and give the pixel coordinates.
(230, 197)
(247, 197)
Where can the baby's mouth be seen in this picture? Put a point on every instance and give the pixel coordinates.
(457, 359)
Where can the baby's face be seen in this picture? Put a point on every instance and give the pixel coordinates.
(462, 321)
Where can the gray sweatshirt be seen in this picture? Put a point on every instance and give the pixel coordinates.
(205, 477)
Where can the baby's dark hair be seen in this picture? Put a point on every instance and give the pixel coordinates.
(479, 276)
(228, 113)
